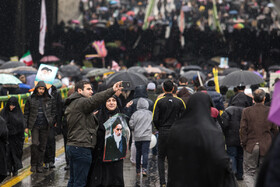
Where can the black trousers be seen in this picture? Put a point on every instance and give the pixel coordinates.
(50, 147)
(162, 154)
(39, 137)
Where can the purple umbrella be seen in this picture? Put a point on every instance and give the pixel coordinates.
(274, 112)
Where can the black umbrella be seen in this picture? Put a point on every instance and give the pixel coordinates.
(190, 74)
(70, 71)
(230, 70)
(166, 70)
(137, 69)
(12, 64)
(190, 68)
(85, 71)
(242, 78)
(135, 79)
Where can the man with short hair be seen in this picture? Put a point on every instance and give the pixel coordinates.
(183, 83)
(40, 115)
(82, 128)
(255, 136)
(167, 109)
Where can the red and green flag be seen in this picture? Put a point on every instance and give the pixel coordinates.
(27, 59)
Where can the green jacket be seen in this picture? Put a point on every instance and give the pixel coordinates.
(82, 123)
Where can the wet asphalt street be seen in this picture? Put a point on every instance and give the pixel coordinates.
(58, 177)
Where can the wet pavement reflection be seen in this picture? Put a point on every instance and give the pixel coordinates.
(58, 177)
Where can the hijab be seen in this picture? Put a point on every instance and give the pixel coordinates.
(104, 114)
(196, 148)
(14, 119)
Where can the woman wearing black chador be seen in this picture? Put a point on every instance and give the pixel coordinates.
(15, 123)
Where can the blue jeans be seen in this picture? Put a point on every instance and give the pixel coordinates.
(236, 155)
(80, 159)
(142, 148)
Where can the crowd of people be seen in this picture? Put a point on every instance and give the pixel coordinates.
(179, 111)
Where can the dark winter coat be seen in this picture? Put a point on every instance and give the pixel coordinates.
(140, 92)
(82, 123)
(241, 99)
(3, 144)
(167, 109)
(32, 105)
(231, 124)
(15, 123)
(104, 173)
(196, 149)
(216, 98)
(59, 108)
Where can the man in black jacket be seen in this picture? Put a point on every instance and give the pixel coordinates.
(39, 114)
(49, 158)
(167, 109)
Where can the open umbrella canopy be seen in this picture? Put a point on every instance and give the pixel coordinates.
(274, 68)
(70, 70)
(98, 72)
(12, 64)
(244, 78)
(238, 26)
(135, 79)
(151, 69)
(165, 70)
(86, 70)
(6, 79)
(190, 68)
(220, 79)
(190, 74)
(230, 70)
(50, 58)
(137, 69)
(25, 70)
(130, 13)
(233, 12)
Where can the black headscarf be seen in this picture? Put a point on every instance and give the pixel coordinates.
(104, 114)
(14, 118)
(196, 148)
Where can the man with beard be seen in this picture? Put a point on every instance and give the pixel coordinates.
(115, 144)
(39, 114)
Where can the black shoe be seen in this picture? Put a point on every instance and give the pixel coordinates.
(47, 166)
(52, 165)
(40, 169)
(15, 173)
(67, 167)
(33, 169)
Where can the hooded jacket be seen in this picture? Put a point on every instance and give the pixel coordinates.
(141, 121)
(32, 106)
(140, 92)
(216, 97)
(82, 123)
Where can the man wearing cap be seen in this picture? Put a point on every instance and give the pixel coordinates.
(151, 90)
